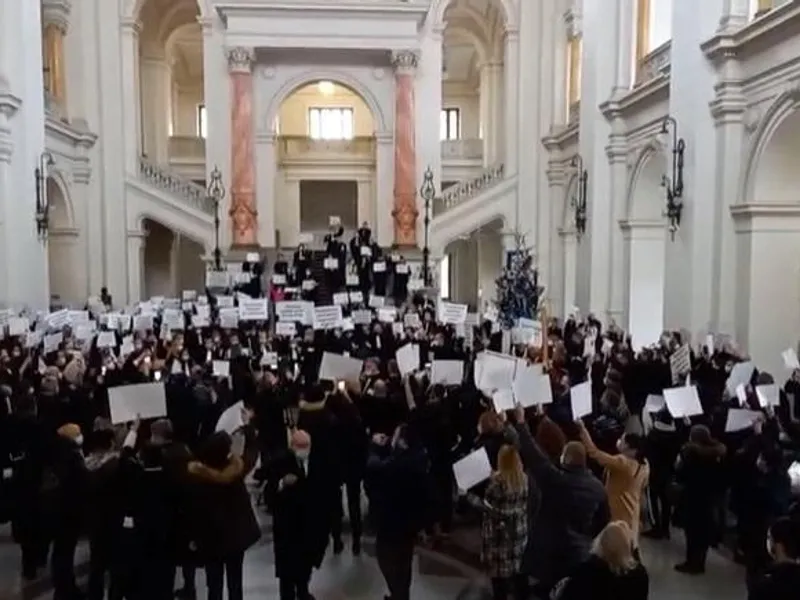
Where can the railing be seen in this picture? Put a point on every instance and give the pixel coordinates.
(295, 146)
(654, 64)
(469, 149)
(187, 147)
(464, 190)
(187, 191)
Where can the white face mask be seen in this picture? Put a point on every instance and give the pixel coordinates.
(301, 454)
(79, 441)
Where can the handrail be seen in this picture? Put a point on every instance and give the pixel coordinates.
(184, 189)
(464, 190)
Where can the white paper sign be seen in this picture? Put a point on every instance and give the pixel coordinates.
(295, 311)
(449, 313)
(253, 309)
(496, 371)
(472, 469)
(327, 317)
(330, 264)
(285, 329)
(683, 402)
(341, 298)
(654, 403)
(221, 368)
(768, 395)
(503, 400)
(407, 359)
(447, 372)
(362, 317)
(335, 367)
(106, 339)
(739, 419)
(790, 360)
(231, 420)
(580, 398)
(142, 400)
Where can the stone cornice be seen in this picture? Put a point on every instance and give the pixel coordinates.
(627, 224)
(320, 9)
(772, 25)
(70, 134)
(764, 210)
(9, 103)
(651, 91)
(561, 137)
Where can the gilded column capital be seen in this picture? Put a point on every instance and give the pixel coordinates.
(240, 59)
(56, 12)
(405, 61)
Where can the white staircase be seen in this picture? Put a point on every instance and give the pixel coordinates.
(177, 203)
(472, 203)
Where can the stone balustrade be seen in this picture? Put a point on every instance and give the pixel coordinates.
(469, 188)
(183, 189)
(654, 64)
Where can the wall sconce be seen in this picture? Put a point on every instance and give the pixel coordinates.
(42, 200)
(578, 201)
(674, 184)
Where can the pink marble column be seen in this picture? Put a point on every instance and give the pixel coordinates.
(243, 213)
(405, 154)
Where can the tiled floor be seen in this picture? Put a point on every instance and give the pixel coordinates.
(436, 577)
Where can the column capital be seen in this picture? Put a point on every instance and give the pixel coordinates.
(56, 12)
(405, 61)
(240, 59)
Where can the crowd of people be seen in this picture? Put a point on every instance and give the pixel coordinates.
(561, 512)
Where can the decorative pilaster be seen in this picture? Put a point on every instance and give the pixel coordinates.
(243, 212)
(405, 154)
(55, 24)
(136, 246)
(512, 81)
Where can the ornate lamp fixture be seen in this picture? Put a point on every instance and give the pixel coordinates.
(428, 193)
(42, 200)
(674, 184)
(578, 201)
(216, 193)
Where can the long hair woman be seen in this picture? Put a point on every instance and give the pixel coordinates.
(505, 525)
(612, 569)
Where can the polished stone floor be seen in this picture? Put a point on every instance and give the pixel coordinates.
(436, 576)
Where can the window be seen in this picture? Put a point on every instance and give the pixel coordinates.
(574, 56)
(202, 122)
(653, 26)
(444, 277)
(330, 123)
(450, 124)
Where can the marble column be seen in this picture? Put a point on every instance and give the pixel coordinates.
(383, 188)
(55, 23)
(405, 155)
(511, 80)
(291, 233)
(131, 105)
(491, 109)
(243, 212)
(156, 107)
(136, 244)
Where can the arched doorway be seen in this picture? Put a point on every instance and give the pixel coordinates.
(768, 241)
(644, 250)
(66, 268)
(326, 161)
(475, 80)
(474, 264)
(171, 86)
(172, 262)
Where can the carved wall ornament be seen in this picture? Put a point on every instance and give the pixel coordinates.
(269, 72)
(405, 60)
(378, 73)
(240, 59)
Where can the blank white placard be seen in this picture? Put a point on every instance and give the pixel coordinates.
(768, 395)
(580, 398)
(503, 400)
(741, 373)
(739, 419)
(337, 367)
(407, 359)
(231, 419)
(472, 469)
(142, 400)
(683, 402)
(447, 372)
(497, 371)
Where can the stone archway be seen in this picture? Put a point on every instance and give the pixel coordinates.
(644, 250)
(767, 226)
(171, 262)
(65, 265)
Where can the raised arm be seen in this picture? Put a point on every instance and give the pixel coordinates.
(608, 461)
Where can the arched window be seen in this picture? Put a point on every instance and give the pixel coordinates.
(574, 55)
(759, 7)
(653, 28)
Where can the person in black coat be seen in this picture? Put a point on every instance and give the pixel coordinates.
(398, 472)
(71, 486)
(574, 509)
(225, 525)
(782, 579)
(299, 489)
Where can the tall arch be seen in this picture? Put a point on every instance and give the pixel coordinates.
(508, 10)
(645, 195)
(65, 265)
(61, 213)
(132, 9)
(567, 214)
(305, 78)
(774, 136)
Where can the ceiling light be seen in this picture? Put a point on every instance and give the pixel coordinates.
(326, 88)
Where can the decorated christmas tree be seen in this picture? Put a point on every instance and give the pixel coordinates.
(518, 290)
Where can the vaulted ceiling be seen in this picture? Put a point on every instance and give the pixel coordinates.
(473, 34)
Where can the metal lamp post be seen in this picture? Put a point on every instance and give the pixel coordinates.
(674, 184)
(578, 201)
(428, 193)
(216, 193)
(42, 201)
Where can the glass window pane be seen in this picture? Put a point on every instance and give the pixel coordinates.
(347, 123)
(443, 125)
(444, 277)
(202, 122)
(314, 125)
(454, 124)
